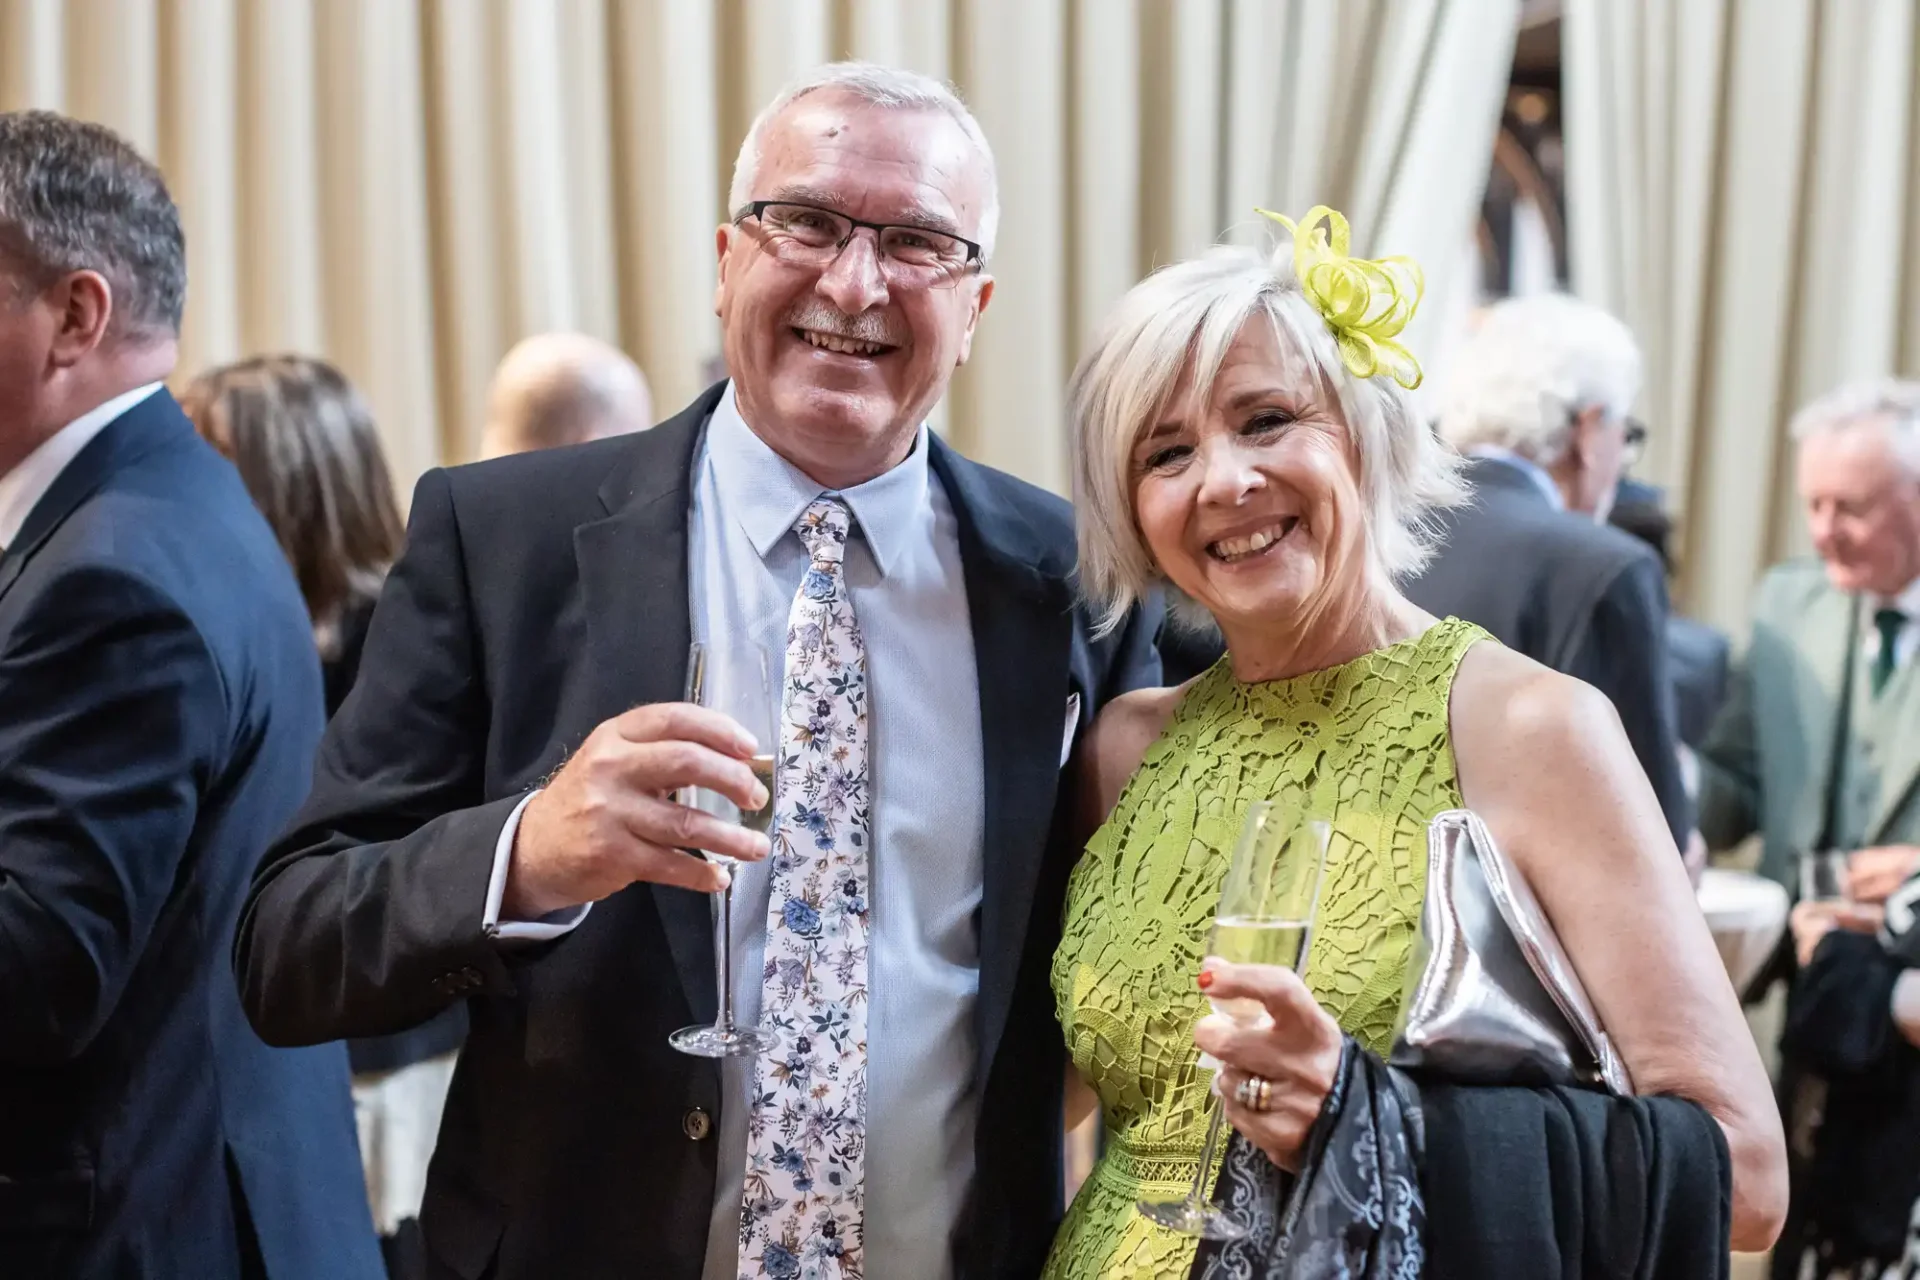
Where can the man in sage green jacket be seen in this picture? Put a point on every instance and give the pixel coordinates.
(1819, 742)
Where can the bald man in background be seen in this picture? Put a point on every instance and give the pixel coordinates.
(557, 389)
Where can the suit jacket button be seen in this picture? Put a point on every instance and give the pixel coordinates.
(474, 978)
(444, 984)
(696, 1124)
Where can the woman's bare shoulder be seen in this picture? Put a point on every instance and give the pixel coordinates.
(1504, 700)
(1540, 755)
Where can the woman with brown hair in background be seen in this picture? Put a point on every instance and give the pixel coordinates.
(309, 452)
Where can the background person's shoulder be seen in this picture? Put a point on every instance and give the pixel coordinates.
(1793, 584)
(990, 494)
(1573, 540)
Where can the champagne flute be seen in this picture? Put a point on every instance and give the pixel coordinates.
(743, 689)
(1265, 916)
(1823, 876)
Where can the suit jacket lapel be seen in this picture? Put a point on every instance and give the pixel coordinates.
(1901, 708)
(1020, 600)
(145, 426)
(1826, 631)
(633, 574)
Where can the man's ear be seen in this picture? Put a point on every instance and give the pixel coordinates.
(722, 242)
(982, 295)
(1587, 425)
(84, 300)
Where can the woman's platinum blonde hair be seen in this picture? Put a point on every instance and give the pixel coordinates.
(1188, 315)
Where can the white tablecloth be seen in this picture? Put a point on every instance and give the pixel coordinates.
(1747, 915)
(398, 1115)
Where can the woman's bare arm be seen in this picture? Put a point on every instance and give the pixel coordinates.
(1543, 760)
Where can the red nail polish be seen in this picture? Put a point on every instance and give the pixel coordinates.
(1205, 979)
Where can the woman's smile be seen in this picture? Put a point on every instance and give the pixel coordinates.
(1240, 547)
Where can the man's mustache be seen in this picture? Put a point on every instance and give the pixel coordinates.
(868, 326)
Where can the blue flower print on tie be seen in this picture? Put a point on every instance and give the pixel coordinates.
(780, 1264)
(818, 585)
(801, 918)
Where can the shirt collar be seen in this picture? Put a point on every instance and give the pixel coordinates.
(22, 488)
(767, 495)
(1526, 467)
(1907, 602)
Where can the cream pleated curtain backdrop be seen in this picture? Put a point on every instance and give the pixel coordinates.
(1744, 190)
(408, 186)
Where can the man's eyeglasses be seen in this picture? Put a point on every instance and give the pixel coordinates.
(1635, 441)
(909, 257)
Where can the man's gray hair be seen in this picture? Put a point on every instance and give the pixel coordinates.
(882, 87)
(1894, 400)
(1181, 321)
(1531, 367)
(76, 196)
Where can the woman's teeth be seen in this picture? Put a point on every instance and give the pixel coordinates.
(845, 346)
(1260, 540)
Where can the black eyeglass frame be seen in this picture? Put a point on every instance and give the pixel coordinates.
(754, 209)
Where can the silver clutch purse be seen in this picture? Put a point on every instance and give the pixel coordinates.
(1490, 996)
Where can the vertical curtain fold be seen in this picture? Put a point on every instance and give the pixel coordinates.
(1743, 189)
(408, 186)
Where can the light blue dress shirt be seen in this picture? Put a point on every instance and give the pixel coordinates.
(904, 575)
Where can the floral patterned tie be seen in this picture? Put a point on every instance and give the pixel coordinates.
(806, 1129)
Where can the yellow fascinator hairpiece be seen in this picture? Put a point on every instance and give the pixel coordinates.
(1366, 302)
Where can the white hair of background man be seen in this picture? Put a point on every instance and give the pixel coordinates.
(882, 87)
(1893, 400)
(1530, 368)
(1191, 313)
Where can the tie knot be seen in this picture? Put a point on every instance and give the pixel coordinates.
(823, 531)
(1889, 623)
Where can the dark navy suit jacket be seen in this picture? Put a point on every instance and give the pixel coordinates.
(540, 595)
(159, 706)
(1571, 594)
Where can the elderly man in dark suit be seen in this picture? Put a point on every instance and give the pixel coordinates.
(1539, 401)
(494, 816)
(159, 706)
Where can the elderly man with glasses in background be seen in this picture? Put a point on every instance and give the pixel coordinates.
(1539, 400)
(496, 814)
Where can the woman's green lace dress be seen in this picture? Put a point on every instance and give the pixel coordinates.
(1367, 743)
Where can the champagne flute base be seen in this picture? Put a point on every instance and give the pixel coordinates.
(722, 1042)
(1201, 1220)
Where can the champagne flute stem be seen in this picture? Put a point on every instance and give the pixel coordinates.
(1197, 1196)
(726, 956)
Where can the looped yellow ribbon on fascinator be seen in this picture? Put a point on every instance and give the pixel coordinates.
(1366, 301)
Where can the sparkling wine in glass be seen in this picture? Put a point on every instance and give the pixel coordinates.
(1265, 916)
(740, 682)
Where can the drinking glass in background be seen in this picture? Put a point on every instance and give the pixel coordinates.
(1265, 916)
(1823, 876)
(742, 688)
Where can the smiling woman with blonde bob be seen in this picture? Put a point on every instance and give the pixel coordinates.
(1251, 443)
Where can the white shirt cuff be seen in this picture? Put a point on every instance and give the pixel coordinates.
(551, 925)
(1906, 998)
